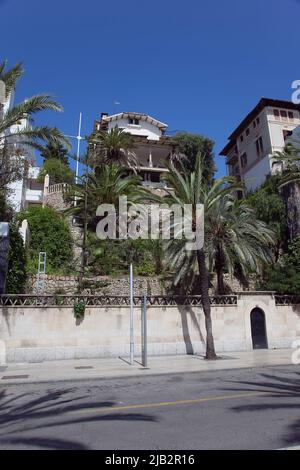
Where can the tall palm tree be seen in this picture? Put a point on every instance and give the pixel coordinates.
(113, 146)
(193, 189)
(236, 241)
(34, 136)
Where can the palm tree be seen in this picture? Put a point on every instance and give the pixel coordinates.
(34, 136)
(289, 159)
(11, 76)
(236, 241)
(55, 151)
(193, 189)
(105, 187)
(113, 146)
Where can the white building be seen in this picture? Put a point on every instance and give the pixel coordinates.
(249, 153)
(26, 191)
(152, 147)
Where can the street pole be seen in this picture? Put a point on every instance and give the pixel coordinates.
(131, 316)
(144, 331)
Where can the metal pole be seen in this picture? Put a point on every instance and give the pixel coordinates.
(78, 147)
(144, 332)
(131, 316)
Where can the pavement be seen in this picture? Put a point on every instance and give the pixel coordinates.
(95, 369)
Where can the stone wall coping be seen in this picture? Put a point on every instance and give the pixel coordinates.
(256, 292)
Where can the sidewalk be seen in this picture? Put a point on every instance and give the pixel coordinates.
(91, 369)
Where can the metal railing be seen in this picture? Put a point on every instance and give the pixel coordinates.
(287, 299)
(28, 300)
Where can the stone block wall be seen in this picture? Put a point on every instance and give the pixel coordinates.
(50, 333)
(101, 285)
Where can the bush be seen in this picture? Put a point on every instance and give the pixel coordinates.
(58, 172)
(50, 233)
(79, 310)
(110, 257)
(16, 277)
(284, 277)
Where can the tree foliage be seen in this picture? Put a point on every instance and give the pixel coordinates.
(50, 233)
(58, 172)
(16, 276)
(284, 276)
(193, 145)
(57, 151)
(113, 146)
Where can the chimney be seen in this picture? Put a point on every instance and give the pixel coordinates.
(103, 115)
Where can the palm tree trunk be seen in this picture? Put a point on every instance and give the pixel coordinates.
(204, 290)
(220, 281)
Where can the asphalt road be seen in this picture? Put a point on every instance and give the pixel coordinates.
(241, 409)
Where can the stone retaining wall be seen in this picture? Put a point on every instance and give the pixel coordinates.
(50, 333)
(106, 285)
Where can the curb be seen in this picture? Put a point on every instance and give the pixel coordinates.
(137, 376)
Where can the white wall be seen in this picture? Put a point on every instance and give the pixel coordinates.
(257, 175)
(145, 128)
(34, 333)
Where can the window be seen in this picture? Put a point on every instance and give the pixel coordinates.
(276, 114)
(134, 121)
(254, 124)
(242, 138)
(283, 114)
(257, 120)
(291, 115)
(247, 132)
(259, 147)
(244, 160)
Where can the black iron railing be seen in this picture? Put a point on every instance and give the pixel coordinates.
(28, 300)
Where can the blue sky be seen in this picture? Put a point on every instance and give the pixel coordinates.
(196, 65)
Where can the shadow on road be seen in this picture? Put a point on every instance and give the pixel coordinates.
(52, 409)
(275, 387)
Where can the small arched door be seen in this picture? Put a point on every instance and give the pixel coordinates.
(258, 329)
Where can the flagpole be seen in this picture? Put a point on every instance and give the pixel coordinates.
(79, 138)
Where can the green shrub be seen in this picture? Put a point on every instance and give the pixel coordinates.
(58, 172)
(50, 233)
(16, 277)
(79, 310)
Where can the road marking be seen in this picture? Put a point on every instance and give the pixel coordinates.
(110, 409)
(290, 448)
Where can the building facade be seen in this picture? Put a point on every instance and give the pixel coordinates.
(264, 131)
(26, 191)
(152, 147)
